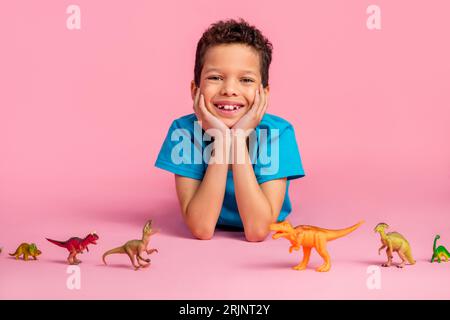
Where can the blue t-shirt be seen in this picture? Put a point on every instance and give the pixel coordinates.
(185, 150)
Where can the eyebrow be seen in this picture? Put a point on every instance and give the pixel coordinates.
(243, 71)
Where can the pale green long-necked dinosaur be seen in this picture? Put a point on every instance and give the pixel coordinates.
(440, 252)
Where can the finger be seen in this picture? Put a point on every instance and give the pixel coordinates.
(202, 105)
(264, 106)
(262, 97)
(197, 110)
(260, 106)
(196, 98)
(257, 101)
(262, 111)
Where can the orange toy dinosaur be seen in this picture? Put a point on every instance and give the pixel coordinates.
(309, 237)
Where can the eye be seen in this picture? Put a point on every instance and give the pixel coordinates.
(214, 78)
(248, 80)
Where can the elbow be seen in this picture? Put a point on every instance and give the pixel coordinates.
(200, 230)
(202, 233)
(256, 234)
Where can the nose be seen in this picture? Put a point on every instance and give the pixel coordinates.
(228, 88)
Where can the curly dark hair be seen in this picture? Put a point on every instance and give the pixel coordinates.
(232, 31)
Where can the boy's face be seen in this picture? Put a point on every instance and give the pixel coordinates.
(230, 76)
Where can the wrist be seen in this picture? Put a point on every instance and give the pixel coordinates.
(239, 148)
(241, 133)
(222, 148)
(218, 133)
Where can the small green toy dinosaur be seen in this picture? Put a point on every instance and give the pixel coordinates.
(135, 248)
(440, 252)
(26, 250)
(394, 241)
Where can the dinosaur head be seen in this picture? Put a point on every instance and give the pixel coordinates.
(92, 238)
(34, 251)
(148, 229)
(381, 227)
(281, 229)
(148, 225)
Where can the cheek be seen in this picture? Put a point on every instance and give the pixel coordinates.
(250, 97)
(208, 92)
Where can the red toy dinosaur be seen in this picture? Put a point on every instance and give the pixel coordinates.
(76, 245)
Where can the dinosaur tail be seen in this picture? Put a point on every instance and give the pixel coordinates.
(335, 234)
(113, 251)
(13, 254)
(446, 251)
(58, 243)
(409, 256)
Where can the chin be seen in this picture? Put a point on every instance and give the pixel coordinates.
(229, 122)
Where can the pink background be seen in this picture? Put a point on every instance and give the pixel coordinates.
(83, 114)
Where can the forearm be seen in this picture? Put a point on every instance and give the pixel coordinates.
(254, 208)
(204, 208)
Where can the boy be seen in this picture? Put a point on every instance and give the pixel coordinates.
(230, 92)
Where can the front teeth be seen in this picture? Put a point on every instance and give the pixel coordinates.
(229, 107)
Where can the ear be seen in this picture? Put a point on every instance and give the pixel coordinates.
(193, 89)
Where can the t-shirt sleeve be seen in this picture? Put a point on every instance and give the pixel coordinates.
(177, 154)
(280, 157)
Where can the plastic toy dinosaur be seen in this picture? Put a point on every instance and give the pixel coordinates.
(440, 252)
(309, 237)
(394, 242)
(26, 250)
(135, 248)
(76, 245)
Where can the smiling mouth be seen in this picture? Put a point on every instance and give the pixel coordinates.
(228, 108)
